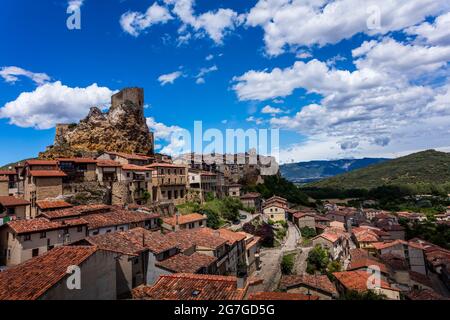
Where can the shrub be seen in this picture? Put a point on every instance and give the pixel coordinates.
(287, 263)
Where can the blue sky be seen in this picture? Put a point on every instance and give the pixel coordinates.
(337, 88)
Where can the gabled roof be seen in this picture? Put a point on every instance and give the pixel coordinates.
(108, 163)
(47, 173)
(181, 263)
(364, 263)
(357, 280)
(7, 173)
(251, 195)
(316, 282)
(132, 242)
(425, 294)
(42, 224)
(38, 162)
(196, 237)
(165, 165)
(184, 219)
(77, 211)
(388, 244)
(130, 156)
(281, 296)
(78, 160)
(31, 279)
(133, 167)
(52, 204)
(8, 201)
(231, 236)
(185, 286)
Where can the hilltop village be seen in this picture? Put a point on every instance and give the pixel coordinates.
(137, 223)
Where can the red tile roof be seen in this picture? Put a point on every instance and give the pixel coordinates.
(130, 156)
(181, 263)
(231, 236)
(77, 211)
(358, 253)
(251, 195)
(133, 167)
(184, 286)
(357, 280)
(38, 162)
(184, 219)
(425, 294)
(316, 282)
(31, 279)
(420, 278)
(78, 160)
(42, 224)
(364, 263)
(55, 204)
(133, 242)
(8, 201)
(116, 217)
(196, 237)
(365, 235)
(47, 173)
(7, 173)
(388, 244)
(165, 165)
(280, 296)
(108, 163)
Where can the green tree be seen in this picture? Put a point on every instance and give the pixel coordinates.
(307, 232)
(287, 263)
(317, 260)
(367, 295)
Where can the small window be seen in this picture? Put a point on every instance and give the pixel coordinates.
(43, 235)
(35, 252)
(80, 229)
(27, 237)
(128, 175)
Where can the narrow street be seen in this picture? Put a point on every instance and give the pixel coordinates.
(271, 258)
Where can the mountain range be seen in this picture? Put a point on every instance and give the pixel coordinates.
(305, 172)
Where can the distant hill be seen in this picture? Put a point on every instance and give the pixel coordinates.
(426, 167)
(13, 164)
(304, 172)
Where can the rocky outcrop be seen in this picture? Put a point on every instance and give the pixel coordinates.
(122, 128)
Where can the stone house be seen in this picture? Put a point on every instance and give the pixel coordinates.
(78, 170)
(8, 182)
(12, 208)
(315, 285)
(252, 200)
(252, 249)
(202, 183)
(21, 240)
(42, 180)
(186, 221)
(96, 267)
(336, 243)
(304, 219)
(234, 190)
(169, 182)
(125, 158)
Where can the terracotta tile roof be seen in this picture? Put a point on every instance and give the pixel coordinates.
(42, 224)
(196, 237)
(31, 279)
(181, 263)
(231, 236)
(7, 173)
(77, 211)
(316, 282)
(358, 253)
(251, 195)
(420, 278)
(4, 179)
(280, 296)
(301, 214)
(165, 165)
(321, 218)
(394, 261)
(133, 167)
(47, 173)
(438, 256)
(184, 286)
(133, 242)
(330, 236)
(357, 280)
(38, 162)
(276, 198)
(425, 294)
(78, 160)
(364, 263)
(116, 217)
(108, 163)
(56, 204)
(388, 244)
(8, 201)
(184, 219)
(130, 156)
(365, 235)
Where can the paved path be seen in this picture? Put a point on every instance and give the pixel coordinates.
(249, 217)
(271, 258)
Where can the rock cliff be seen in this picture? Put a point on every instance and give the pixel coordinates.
(122, 128)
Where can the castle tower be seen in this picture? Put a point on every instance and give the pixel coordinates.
(134, 95)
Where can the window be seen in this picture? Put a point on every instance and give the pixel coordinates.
(43, 235)
(128, 175)
(176, 194)
(10, 211)
(80, 229)
(169, 194)
(35, 252)
(27, 237)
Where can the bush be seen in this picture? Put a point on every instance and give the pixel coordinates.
(263, 230)
(213, 219)
(317, 260)
(307, 232)
(287, 263)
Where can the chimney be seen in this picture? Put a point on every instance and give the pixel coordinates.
(241, 281)
(177, 224)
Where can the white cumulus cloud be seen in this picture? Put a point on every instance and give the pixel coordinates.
(53, 103)
(134, 22)
(169, 78)
(11, 74)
